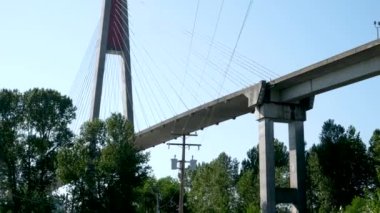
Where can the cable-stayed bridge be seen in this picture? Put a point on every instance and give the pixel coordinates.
(172, 83)
(274, 99)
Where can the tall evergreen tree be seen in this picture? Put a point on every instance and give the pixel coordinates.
(374, 151)
(343, 165)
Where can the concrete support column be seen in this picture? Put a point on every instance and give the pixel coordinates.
(297, 164)
(266, 161)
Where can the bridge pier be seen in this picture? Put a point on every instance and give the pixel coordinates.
(266, 165)
(294, 115)
(297, 164)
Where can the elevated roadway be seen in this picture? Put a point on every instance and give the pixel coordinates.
(354, 65)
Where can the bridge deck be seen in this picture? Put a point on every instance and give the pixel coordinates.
(346, 68)
(351, 66)
(214, 112)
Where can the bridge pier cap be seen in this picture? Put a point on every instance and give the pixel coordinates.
(283, 113)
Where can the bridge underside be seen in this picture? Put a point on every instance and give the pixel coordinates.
(214, 112)
(298, 87)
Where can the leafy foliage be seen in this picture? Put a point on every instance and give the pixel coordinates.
(103, 167)
(33, 128)
(248, 190)
(168, 190)
(213, 186)
(251, 162)
(248, 186)
(339, 167)
(162, 194)
(103, 172)
(369, 203)
(374, 152)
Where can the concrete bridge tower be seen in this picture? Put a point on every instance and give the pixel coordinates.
(114, 40)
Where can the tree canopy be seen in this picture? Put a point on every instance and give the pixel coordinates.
(212, 186)
(33, 128)
(339, 167)
(102, 171)
(103, 167)
(161, 194)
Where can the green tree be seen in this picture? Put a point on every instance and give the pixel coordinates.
(34, 126)
(103, 168)
(248, 189)
(148, 194)
(162, 194)
(248, 185)
(374, 151)
(47, 115)
(281, 162)
(339, 168)
(369, 203)
(10, 146)
(251, 162)
(213, 186)
(318, 193)
(168, 190)
(78, 166)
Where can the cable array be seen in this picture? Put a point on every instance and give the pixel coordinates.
(166, 81)
(236, 44)
(190, 45)
(81, 88)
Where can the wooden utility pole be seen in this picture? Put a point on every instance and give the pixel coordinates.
(182, 167)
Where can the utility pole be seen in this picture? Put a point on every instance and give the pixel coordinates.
(182, 166)
(157, 202)
(377, 26)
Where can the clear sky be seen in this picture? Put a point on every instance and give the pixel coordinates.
(43, 43)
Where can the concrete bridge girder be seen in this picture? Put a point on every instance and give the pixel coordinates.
(212, 113)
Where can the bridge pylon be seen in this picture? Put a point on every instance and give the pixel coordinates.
(114, 40)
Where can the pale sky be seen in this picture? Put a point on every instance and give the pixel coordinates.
(43, 44)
